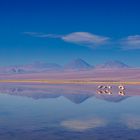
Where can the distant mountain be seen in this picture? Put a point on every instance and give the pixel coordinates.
(78, 64)
(12, 69)
(34, 67)
(112, 65)
(42, 66)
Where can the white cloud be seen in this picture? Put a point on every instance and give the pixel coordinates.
(131, 42)
(86, 39)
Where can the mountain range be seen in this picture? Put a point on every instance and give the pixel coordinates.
(75, 65)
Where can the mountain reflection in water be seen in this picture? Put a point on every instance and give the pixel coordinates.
(72, 112)
(75, 93)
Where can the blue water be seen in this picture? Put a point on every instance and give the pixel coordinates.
(67, 113)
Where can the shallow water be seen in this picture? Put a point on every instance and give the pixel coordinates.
(68, 112)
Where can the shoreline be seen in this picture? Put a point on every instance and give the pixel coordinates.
(71, 82)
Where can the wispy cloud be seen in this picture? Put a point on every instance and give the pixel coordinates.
(92, 40)
(131, 42)
(42, 35)
(80, 38)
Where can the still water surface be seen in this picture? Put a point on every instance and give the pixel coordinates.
(68, 113)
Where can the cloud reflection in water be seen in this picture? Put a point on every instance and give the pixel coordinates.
(83, 125)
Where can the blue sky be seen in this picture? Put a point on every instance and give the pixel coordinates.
(61, 30)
